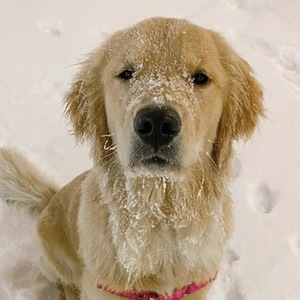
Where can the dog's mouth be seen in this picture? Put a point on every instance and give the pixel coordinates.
(155, 160)
(144, 157)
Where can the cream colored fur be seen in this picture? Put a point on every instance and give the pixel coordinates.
(126, 227)
(22, 184)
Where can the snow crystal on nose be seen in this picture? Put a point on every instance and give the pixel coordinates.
(158, 100)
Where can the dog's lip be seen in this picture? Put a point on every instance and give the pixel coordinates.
(155, 160)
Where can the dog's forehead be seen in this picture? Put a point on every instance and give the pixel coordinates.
(169, 42)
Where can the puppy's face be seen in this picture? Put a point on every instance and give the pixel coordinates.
(164, 90)
(168, 94)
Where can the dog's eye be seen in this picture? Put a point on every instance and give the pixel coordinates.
(126, 74)
(200, 79)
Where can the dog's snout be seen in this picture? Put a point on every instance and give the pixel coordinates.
(157, 126)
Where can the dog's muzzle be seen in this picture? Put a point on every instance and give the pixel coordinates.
(156, 142)
(157, 126)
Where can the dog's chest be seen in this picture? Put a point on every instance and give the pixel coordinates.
(147, 242)
(155, 235)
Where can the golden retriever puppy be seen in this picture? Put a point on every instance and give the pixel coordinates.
(160, 104)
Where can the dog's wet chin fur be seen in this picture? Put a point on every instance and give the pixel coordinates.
(144, 160)
(144, 219)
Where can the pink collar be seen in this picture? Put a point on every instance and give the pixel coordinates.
(176, 295)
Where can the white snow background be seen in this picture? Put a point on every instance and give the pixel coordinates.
(40, 44)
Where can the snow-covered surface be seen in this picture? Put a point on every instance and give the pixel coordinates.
(41, 42)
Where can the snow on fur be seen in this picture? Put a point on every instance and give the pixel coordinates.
(43, 42)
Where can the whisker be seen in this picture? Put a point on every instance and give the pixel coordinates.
(108, 155)
(110, 147)
(212, 142)
(108, 135)
(211, 159)
(202, 181)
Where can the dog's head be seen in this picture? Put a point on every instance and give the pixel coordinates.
(162, 95)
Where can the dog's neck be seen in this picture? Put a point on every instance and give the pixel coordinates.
(182, 212)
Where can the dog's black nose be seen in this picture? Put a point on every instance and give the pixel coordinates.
(157, 126)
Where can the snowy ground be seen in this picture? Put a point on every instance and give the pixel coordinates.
(41, 41)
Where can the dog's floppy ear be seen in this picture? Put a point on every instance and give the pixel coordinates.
(85, 103)
(85, 100)
(242, 106)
